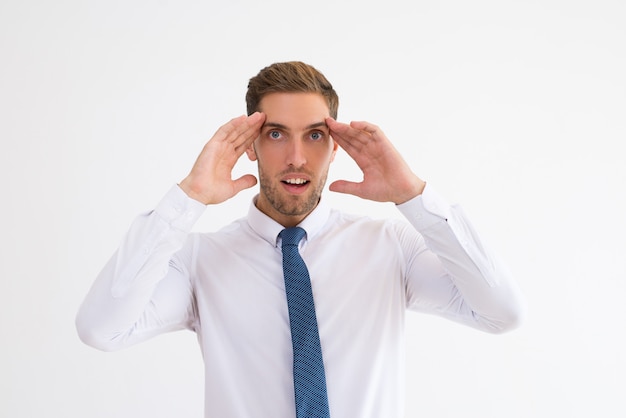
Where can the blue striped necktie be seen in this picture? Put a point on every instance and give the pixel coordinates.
(308, 368)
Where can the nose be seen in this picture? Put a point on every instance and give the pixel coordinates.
(296, 155)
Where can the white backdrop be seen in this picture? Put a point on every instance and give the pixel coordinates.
(515, 109)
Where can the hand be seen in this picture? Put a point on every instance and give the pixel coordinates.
(386, 176)
(210, 180)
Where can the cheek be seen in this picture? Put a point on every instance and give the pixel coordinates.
(322, 160)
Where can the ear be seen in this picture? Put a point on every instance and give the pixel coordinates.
(251, 152)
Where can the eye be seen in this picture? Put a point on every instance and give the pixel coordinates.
(317, 136)
(274, 134)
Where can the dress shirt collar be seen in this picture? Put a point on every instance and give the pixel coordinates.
(268, 229)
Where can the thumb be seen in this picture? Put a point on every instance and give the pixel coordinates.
(244, 182)
(347, 187)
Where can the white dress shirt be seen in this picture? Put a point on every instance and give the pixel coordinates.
(228, 287)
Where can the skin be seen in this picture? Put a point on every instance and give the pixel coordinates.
(294, 146)
(293, 139)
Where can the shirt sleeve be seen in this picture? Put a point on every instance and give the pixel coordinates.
(457, 276)
(144, 289)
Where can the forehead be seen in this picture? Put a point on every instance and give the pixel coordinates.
(294, 110)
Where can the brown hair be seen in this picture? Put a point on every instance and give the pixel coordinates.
(290, 77)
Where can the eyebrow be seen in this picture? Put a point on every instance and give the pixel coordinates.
(281, 126)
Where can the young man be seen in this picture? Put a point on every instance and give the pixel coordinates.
(230, 287)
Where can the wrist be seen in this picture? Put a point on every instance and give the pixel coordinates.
(187, 186)
(415, 189)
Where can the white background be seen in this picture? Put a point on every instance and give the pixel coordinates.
(515, 109)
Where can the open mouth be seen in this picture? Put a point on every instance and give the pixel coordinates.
(296, 182)
(296, 185)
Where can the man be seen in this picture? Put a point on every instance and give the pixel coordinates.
(230, 288)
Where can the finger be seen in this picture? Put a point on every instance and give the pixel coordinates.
(334, 125)
(344, 186)
(225, 132)
(339, 128)
(370, 128)
(343, 134)
(374, 133)
(235, 127)
(246, 130)
(356, 127)
(244, 182)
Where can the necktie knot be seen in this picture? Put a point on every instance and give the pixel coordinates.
(292, 236)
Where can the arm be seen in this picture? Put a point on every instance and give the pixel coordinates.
(457, 277)
(145, 287)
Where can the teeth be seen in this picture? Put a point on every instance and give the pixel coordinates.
(295, 181)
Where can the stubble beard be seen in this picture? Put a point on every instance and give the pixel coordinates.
(295, 205)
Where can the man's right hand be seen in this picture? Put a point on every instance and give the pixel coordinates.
(210, 180)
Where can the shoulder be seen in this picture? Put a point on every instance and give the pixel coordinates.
(366, 225)
(232, 231)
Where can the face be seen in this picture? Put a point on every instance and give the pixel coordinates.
(293, 152)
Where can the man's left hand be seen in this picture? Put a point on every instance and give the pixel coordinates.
(386, 176)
